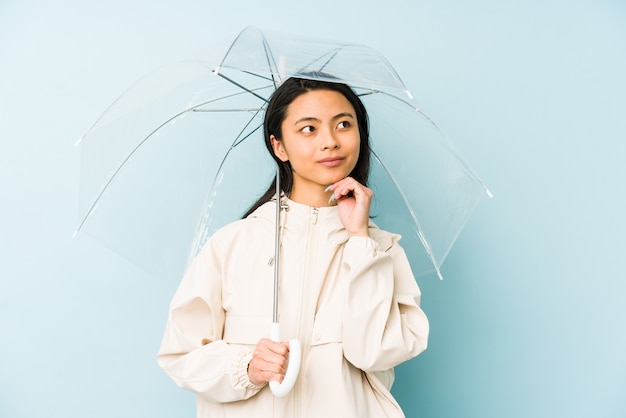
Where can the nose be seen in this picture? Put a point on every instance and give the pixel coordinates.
(329, 140)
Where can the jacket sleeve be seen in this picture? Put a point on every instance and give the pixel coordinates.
(192, 352)
(383, 324)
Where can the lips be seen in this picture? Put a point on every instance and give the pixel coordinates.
(331, 161)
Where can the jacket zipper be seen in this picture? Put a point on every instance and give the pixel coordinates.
(303, 330)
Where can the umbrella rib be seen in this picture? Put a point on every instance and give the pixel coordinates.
(143, 141)
(230, 80)
(194, 108)
(232, 45)
(333, 55)
(268, 54)
(120, 166)
(393, 96)
(136, 148)
(311, 63)
(257, 75)
(214, 182)
(228, 96)
(449, 144)
(243, 109)
(239, 140)
(271, 61)
(412, 213)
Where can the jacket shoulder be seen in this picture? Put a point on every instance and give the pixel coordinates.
(236, 228)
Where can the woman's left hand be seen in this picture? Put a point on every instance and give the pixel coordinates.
(354, 201)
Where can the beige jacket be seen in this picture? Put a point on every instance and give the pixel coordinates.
(352, 302)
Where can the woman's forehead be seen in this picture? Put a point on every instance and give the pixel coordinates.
(319, 104)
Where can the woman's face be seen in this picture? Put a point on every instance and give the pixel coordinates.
(320, 139)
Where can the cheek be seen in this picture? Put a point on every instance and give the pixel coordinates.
(357, 146)
(357, 152)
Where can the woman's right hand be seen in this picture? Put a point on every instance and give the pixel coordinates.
(269, 362)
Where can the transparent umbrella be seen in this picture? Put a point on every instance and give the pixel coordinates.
(171, 160)
(180, 154)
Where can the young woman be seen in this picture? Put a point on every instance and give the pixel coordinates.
(346, 288)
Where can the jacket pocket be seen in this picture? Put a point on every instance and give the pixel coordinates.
(327, 328)
(246, 329)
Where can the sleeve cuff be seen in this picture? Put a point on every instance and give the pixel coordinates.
(358, 242)
(357, 246)
(242, 381)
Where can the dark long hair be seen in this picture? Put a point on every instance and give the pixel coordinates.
(276, 113)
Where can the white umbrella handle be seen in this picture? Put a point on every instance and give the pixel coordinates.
(295, 355)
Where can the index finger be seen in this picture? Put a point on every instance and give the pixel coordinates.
(281, 348)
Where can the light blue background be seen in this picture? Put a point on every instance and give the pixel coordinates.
(530, 320)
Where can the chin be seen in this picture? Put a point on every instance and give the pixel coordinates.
(335, 179)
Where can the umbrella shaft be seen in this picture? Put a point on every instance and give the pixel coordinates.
(276, 249)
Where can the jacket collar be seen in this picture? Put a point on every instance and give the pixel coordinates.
(297, 216)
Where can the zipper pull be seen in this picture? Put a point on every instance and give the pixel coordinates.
(314, 214)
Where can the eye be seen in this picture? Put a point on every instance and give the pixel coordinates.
(307, 129)
(344, 124)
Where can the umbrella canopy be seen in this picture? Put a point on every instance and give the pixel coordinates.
(181, 153)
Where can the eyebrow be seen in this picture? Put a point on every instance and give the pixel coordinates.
(313, 119)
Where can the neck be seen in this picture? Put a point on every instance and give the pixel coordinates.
(316, 197)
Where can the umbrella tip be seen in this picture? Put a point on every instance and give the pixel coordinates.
(216, 71)
(75, 233)
(408, 93)
(78, 141)
(489, 194)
